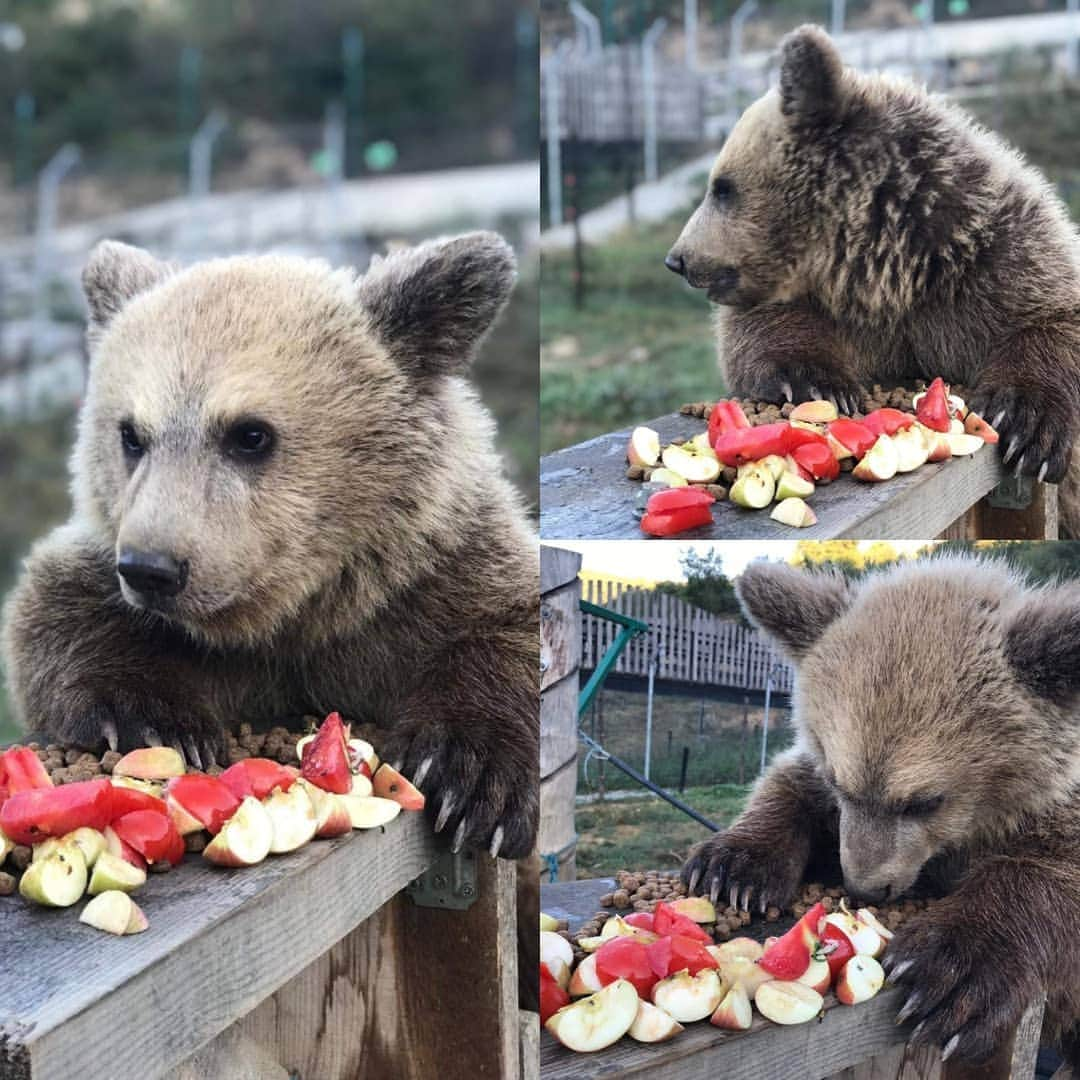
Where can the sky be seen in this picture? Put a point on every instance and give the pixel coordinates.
(660, 560)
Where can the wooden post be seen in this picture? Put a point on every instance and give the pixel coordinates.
(560, 660)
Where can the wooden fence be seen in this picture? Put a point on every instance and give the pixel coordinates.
(690, 645)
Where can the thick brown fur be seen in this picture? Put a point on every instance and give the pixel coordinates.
(857, 230)
(374, 561)
(938, 750)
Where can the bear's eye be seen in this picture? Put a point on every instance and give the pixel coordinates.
(129, 440)
(922, 807)
(723, 190)
(249, 439)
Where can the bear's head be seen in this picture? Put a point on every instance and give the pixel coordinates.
(939, 701)
(258, 430)
(745, 243)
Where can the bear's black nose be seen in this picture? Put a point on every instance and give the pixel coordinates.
(675, 264)
(152, 571)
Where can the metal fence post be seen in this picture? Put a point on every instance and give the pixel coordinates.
(745, 10)
(690, 32)
(648, 88)
(765, 721)
(552, 73)
(200, 154)
(836, 24)
(60, 164)
(1072, 52)
(590, 37)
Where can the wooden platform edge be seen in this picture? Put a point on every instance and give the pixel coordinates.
(211, 982)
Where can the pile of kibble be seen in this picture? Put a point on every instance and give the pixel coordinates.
(66, 765)
(643, 890)
(767, 412)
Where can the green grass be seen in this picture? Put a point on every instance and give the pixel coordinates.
(712, 732)
(640, 345)
(649, 833)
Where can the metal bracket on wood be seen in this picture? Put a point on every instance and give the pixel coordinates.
(1013, 493)
(449, 882)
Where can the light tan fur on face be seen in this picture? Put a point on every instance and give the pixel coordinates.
(360, 458)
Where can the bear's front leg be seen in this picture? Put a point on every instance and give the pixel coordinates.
(787, 352)
(764, 854)
(1030, 392)
(974, 961)
(91, 671)
(469, 738)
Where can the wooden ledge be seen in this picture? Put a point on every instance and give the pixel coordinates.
(78, 1003)
(584, 494)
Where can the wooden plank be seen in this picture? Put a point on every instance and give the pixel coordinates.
(560, 635)
(219, 942)
(1037, 521)
(557, 832)
(558, 566)
(584, 494)
(529, 1026)
(558, 726)
(387, 1000)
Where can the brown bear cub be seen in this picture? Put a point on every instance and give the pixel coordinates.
(857, 230)
(938, 715)
(286, 502)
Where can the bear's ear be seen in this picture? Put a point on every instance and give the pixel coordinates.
(116, 272)
(811, 76)
(1042, 643)
(792, 606)
(431, 305)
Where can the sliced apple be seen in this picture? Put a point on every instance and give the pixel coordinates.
(776, 465)
(653, 1025)
(121, 849)
(245, 838)
(742, 971)
(138, 921)
(956, 427)
(961, 444)
(147, 787)
(734, 1012)
(151, 763)
(745, 947)
(669, 477)
(113, 874)
(548, 922)
(793, 512)
(6, 846)
(866, 916)
(331, 814)
(754, 489)
(698, 909)
(817, 976)
(185, 822)
(555, 947)
(861, 978)
(695, 468)
(814, 412)
(937, 443)
(388, 783)
(974, 424)
(686, 998)
(912, 449)
(787, 1002)
(585, 980)
(58, 880)
(598, 1021)
(369, 812)
(840, 451)
(644, 448)
(292, 817)
(790, 486)
(109, 911)
(879, 462)
(865, 940)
